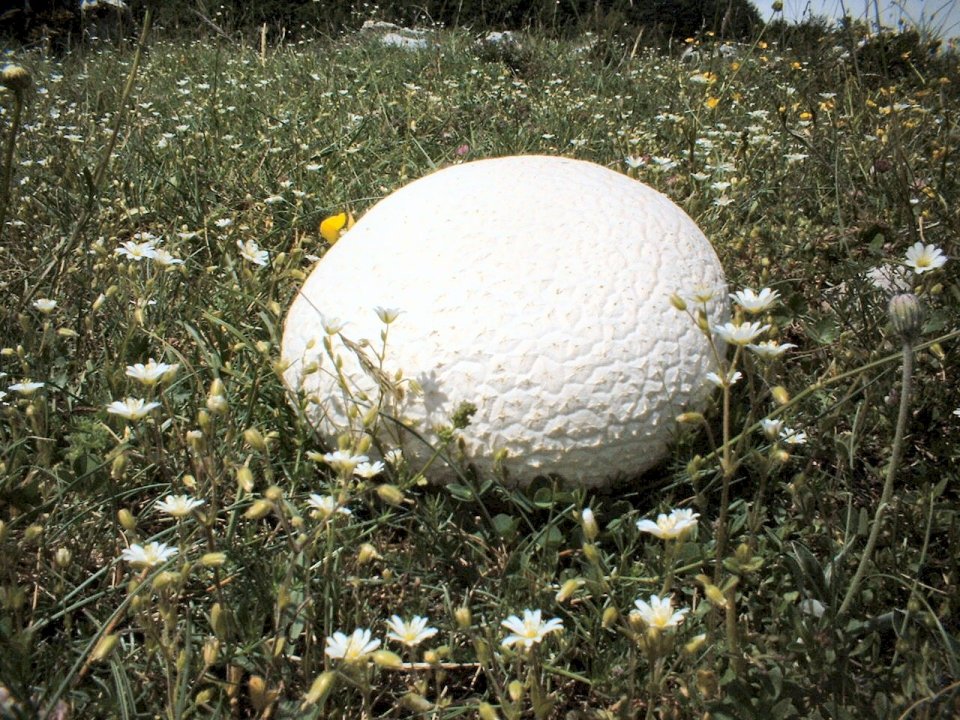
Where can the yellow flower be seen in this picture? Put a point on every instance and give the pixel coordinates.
(711, 102)
(333, 227)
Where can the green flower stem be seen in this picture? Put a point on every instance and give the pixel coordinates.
(8, 159)
(887, 494)
(733, 632)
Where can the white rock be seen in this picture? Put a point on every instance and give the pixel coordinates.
(536, 288)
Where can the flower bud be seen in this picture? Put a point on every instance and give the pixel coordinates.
(486, 712)
(367, 553)
(62, 557)
(245, 478)
(589, 524)
(463, 616)
(254, 438)
(610, 615)
(319, 688)
(416, 703)
(906, 315)
(695, 644)
(104, 647)
(387, 659)
(33, 533)
(515, 688)
(678, 302)
(213, 559)
(390, 494)
(569, 588)
(15, 78)
(211, 651)
(591, 553)
(218, 620)
(273, 494)
(127, 521)
(259, 509)
(780, 395)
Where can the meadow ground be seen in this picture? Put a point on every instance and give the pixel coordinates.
(176, 542)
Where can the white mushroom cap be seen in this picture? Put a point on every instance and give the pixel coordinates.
(536, 288)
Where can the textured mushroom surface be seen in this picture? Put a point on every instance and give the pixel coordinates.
(536, 288)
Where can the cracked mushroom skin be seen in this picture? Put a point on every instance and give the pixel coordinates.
(537, 289)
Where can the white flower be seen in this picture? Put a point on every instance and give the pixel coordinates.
(132, 408)
(331, 326)
(45, 305)
(387, 315)
(251, 252)
(701, 294)
(151, 373)
(355, 648)
(148, 556)
(165, 259)
(530, 630)
(771, 428)
(394, 457)
(274, 200)
(770, 348)
(754, 302)
(27, 387)
(326, 506)
(658, 613)
(634, 162)
(722, 201)
(812, 606)
(137, 251)
(740, 333)
(368, 470)
(795, 157)
(410, 633)
(793, 437)
(670, 527)
(726, 381)
(344, 462)
(223, 223)
(179, 506)
(925, 257)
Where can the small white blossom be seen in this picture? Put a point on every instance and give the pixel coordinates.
(674, 526)
(793, 437)
(410, 633)
(179, 506)
(344, 462)
(45, 305)
(658, 613)
(740, 333)
(152, 372)
(770, 348)
(27, 387)
(530, 630)
(771, 427)
(251, 252)
(327, 506)
(132, 408)
(755, 302)
(355, 648)
(147, 556)
(368, 470)
(923, 258)
(137, 251)
(387, 315)
(727, 380)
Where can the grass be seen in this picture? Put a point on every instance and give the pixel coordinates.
(806, 171)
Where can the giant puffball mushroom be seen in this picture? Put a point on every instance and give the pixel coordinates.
(536, 288)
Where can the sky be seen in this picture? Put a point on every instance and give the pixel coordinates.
(940, 15)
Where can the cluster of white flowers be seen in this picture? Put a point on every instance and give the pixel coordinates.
(360, 644)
